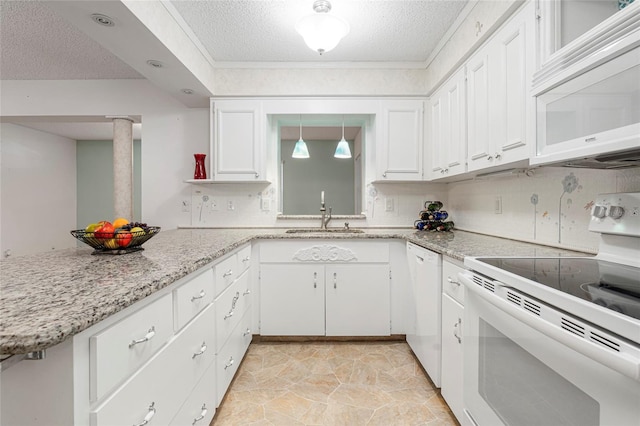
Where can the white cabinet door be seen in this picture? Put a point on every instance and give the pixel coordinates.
(357, 299)
(500, 109)
(292, 300)
(237, 132)
(401, 140)
(451, 378)
(448, 137)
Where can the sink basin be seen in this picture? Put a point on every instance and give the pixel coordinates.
(324, 231)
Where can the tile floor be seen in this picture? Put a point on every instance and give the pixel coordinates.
(332, 383)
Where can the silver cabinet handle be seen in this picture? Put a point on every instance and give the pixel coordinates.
(233, 305)
(489, 158)
(147, 337)
(149, 416)
(452, 281)
(229, 364)
(246, 259)
(315, 280)
(246, 292)
(498, 156)
(202, 350)
(229, 315)
(227, 274)
(384, 175)
(456, 327)
(202, 415)
(257, 175)
(247, 331)
(335, 280)
(199, 296)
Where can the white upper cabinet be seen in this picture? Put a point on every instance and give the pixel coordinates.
(400, 147)
(447, 144)
(501, 110)
(237, 140)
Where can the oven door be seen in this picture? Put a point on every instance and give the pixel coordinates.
(516, 374)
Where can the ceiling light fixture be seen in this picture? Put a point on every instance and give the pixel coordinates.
(342, 150)
(101, 19)
(155, 64)
(300, 150)
(322, 31)
(187, 91)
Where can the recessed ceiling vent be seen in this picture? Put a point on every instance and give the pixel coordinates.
(103, 20)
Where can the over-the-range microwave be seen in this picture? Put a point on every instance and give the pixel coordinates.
(592, 120)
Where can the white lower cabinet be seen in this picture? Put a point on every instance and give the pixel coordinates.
(451, 380)
(200, 407)
(357, 300)
(292, 300)
(154, 390)
(229, 357)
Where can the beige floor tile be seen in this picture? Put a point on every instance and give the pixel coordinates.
(332, 383)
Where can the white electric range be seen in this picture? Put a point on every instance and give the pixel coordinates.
(556, 341)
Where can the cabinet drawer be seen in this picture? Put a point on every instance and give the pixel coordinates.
(200, 407)
(165, 381)
(229, 309)
(450, 283)
(244, 259)
(113, 354)
(226, 272)
(231, 355)
(192, 297)
(324, 251)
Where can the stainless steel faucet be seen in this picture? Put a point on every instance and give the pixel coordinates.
(324, 221)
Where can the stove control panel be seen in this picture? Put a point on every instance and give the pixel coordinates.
(617, 213)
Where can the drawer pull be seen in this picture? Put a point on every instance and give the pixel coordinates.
(147, 337)
(229, 364)
(246, 292)
(227, 274)
(247, 331)
(452, 281)
(202, 415)
(246, 259)
(202, 350)
(199, 296)
(229, 315)
(149, 416)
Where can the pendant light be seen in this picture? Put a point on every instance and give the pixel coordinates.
(300, 150)
(342, 150)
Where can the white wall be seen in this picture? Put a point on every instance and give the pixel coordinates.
(171, 132)
(38, 190)
(553, 207)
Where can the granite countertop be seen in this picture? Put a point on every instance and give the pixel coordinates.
(49, 297)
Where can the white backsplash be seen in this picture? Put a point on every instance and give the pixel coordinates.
(551, 207)
(247, 202)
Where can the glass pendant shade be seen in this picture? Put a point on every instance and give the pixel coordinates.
(342, 150)
(322, 31)
(300, 149)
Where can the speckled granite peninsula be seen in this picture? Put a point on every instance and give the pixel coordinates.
(49, 297)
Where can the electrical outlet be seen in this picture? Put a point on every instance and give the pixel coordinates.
(230, 205)
(186, 206)
(214, 205)
(388, 204)
(498, 205)
(265, 204)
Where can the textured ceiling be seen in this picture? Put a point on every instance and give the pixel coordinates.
(263, 31)
(37, 44)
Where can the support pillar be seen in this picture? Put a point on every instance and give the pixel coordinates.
(123, 167)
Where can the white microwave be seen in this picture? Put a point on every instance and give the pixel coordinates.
(595, 113)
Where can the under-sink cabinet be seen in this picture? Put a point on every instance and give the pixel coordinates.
(318, 288)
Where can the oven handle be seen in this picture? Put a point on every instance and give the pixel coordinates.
(620, 362)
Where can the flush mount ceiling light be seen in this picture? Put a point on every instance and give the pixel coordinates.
(187, 91)
(322, 31)
(300, 150)
(342, 150)
(155, 64)
(101, 19)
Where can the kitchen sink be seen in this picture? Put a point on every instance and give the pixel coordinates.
(324, 231)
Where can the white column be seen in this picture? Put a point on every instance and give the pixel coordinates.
(123, 167)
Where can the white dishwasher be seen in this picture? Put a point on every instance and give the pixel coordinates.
(424, 331)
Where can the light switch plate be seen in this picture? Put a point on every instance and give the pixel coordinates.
(388, 204)
(498, 205)
(265, 204)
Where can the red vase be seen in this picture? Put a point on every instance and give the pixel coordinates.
(201, 172)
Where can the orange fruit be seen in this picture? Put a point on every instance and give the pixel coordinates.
(120, 222)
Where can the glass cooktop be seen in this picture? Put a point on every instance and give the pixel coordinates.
(612, 285)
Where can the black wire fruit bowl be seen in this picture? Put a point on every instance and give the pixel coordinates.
(121, 242)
